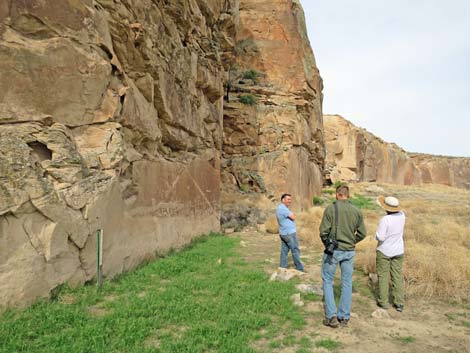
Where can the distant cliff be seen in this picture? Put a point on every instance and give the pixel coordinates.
(353, 154)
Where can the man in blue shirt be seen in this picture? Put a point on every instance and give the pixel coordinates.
(287, 232)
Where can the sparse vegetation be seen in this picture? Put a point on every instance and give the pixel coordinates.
(251, 75)
(329, 191)
(405, 339)
(248, 99)
(338, 184)
(317, 200)
(363, 202)
(328, 344)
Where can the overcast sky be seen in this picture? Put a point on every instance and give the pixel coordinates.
(400, 69)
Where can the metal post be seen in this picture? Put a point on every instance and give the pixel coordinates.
(99, 257)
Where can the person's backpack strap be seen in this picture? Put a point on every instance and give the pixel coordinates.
(336, 219)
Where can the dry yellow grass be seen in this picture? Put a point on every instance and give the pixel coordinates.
(437, 238)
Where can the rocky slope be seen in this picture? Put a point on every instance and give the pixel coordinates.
(275, 144)
(110, 117)
(353, 154)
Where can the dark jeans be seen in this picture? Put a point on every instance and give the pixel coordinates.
(289, 242)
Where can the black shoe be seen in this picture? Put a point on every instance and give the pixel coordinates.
(385, 307)
(399, 307)
(343, 322)
(332, 322)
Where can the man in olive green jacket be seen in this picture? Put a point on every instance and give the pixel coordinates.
(350, 231)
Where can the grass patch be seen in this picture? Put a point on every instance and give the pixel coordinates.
(193, 303)
(248, 99)
(363, 202)
(317, 201)
(405, 339)
(328, 344)
(461, 319)
(329, 191)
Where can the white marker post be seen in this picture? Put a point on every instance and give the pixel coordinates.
(99, 257)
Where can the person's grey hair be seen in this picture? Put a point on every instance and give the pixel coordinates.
(343, 190)
(284, 196)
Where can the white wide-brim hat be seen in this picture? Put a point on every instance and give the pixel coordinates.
(389, 203)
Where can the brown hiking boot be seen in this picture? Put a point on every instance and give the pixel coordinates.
(343, 322)
(331, 322)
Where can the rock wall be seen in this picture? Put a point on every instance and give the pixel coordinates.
(273, 129)
(110, 117)
(353, 154)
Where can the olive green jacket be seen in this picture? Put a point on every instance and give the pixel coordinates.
(351, 228)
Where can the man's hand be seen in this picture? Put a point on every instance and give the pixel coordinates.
(292, 216)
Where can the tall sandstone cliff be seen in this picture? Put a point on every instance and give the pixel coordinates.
(112, 116)
(275, 145)
(353, 154)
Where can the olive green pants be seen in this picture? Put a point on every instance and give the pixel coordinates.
(390, 268)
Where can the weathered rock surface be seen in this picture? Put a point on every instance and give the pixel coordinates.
(110, 117)
(275, 145)
(353, 154)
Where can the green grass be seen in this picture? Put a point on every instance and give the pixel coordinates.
(248, 99)
(317, 200)
(363, 202)
(329, 191)
(328, 344)
(251, 75)
(186, 302)
(405, 339)
(460, 319)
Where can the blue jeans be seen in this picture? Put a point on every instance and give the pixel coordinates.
(345, 259)
(289, 242)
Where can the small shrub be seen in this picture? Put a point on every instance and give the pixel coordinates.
(248, 99)
(317, 200)
(243, 187)
(251, 75)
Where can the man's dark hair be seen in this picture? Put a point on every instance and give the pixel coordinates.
(284, 196)
(342, 190)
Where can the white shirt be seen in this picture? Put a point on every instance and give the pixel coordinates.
(390, 234)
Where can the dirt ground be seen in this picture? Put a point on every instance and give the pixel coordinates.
(424, 326)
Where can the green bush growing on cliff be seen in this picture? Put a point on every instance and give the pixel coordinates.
(248, 99)
(251, 75)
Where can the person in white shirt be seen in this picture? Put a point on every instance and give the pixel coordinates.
(390, 253)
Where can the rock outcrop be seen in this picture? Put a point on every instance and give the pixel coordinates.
(353, 154)
(110, 117)
(273, 129)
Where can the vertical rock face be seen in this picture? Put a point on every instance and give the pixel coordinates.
(110, 117)
(273, 130)
(353, 154)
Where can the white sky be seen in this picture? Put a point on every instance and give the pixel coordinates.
(400, 69)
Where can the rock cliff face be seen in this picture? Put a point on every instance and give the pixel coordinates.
(110, 117)
(273, 129)
(353, 154)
